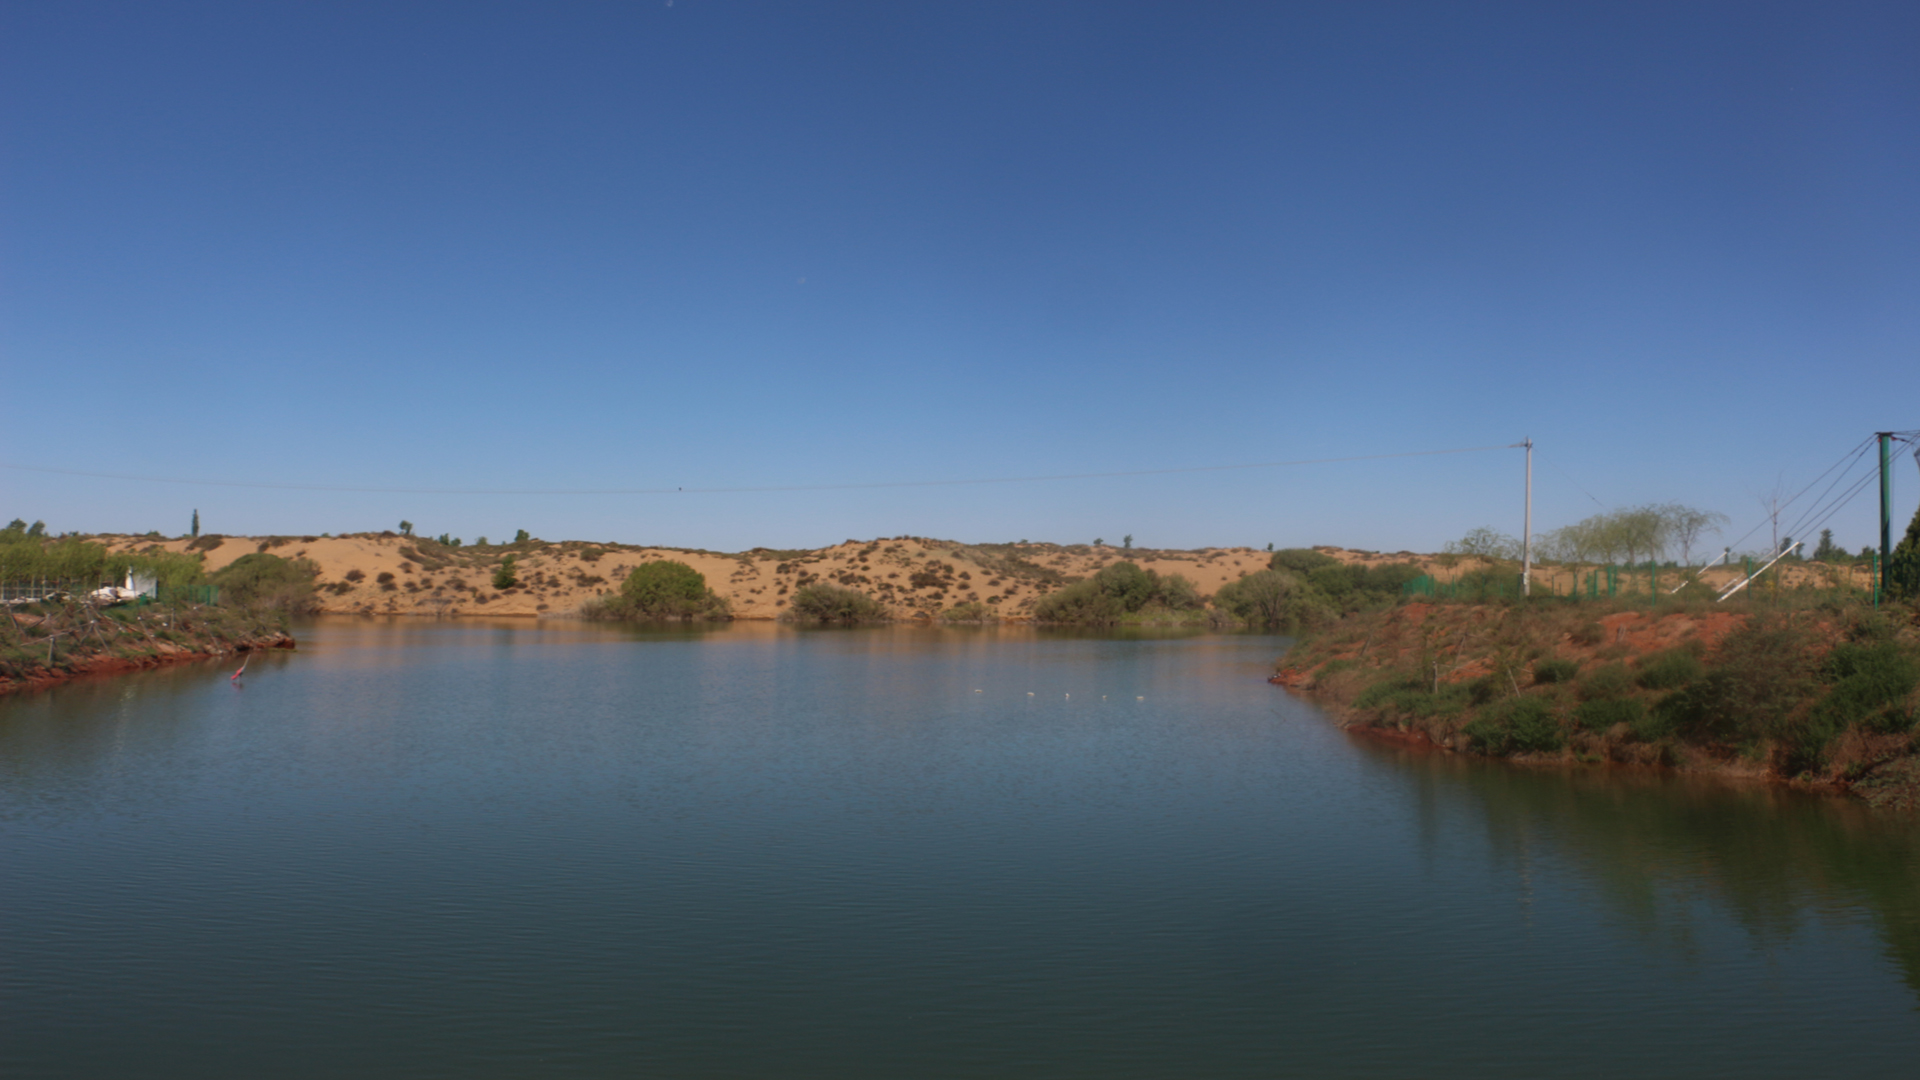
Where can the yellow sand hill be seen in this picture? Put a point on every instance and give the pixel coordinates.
(386, 573)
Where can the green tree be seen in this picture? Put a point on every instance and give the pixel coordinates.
(263, 580)
(1127, 541)
(665, 590)
(503, 576)
(1271, 598)
(406, 528)
(822, 603)
(521, 537)
(196, 524)
(1485, 542)
(1826, 550)
(1903, 564)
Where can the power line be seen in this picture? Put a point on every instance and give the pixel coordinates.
(1844, 460)
(765, 489)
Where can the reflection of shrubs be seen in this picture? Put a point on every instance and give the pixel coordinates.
(261, 580)
(661, 590)
(833, 604)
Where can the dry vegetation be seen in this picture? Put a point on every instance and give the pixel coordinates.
(1824, 694)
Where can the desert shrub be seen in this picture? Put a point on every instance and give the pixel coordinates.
(833, 604)
(660, 590)
(1603, 713)
(1415, 702)
(1589, 634)
(1117, 590)
(355, 574)
(1273, 598)
(1871, 685)
(1379, 692)
(262, 580)
(1608, 681)
(1300, 561)
(1669, 669)
(1178, 593)
(1762, 674)
(385, 578)
(504, 576)
(1128, 584)
(971, 611)
(1516, 725)
(1551, 670)
(1081, 603)
(207, 542)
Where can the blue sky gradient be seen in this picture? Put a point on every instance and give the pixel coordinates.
(633, 245)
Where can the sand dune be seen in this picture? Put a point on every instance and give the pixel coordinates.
(916, 577)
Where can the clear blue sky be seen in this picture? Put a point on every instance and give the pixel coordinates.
(716, 244)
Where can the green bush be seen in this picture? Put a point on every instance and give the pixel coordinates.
(504, 578)
(971, 611)
(1609, 681)
(1114, 592)
(1761, 676)
(660, 590)
(1081, 603)
(1871, 685)
(262, 580)
(1603, 713)
(1669, 669)
(1553, 670)
(1516, 725)
(1588, 634)
(1300, 560)
(833, 604)
(1128, 584)
(1378, 693)
(1273, 598)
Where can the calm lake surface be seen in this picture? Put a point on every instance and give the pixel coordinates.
(472, 850)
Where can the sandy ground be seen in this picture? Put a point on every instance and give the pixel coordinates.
(377, 573)
(386, 573)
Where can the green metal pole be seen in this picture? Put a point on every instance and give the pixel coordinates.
(1886, 513)
(1876, 579)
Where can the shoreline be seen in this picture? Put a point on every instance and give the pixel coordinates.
(102, 663)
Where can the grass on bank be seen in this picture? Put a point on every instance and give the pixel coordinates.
(1828, 692)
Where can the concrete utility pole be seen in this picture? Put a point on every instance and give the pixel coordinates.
(1526, 528)
(1886, 512)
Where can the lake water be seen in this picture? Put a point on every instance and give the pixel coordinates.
(468, 850)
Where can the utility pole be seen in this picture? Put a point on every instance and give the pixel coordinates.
(1886, 511)
(1526, 528)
